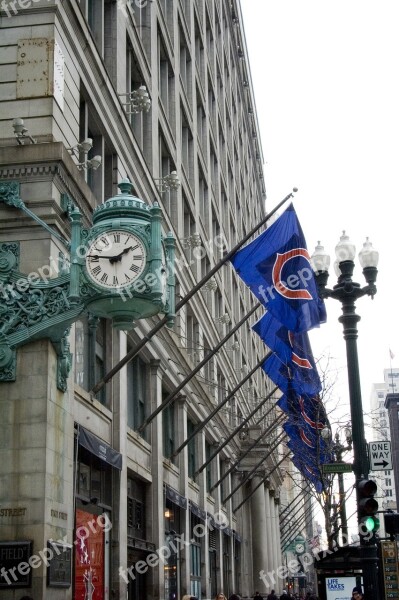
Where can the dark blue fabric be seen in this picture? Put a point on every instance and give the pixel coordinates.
(276, 267)
(303, 381)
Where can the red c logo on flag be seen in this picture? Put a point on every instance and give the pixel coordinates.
(307, 419)
(296, 359)
(279, 263)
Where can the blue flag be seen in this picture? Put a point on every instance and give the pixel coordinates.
(310, 472)
(304, 408)
(294, 353)
(287, 376)
(306, 419)
(310, 452)
(276, 267)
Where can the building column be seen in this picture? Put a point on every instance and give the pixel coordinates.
(119, 478)
(157, 521)
(258, 520)
(278, 536)
(182, 462)
(269, 536)
(273, 524)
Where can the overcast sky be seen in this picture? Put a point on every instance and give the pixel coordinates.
(325, 77)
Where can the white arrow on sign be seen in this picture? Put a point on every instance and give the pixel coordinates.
(380, 456)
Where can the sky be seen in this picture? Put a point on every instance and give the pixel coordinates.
(325, 79)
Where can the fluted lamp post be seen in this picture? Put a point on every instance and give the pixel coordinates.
(348, 292)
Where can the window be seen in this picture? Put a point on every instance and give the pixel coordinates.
(136, 502)
(237, 563)
(388, 493)
(202, 193)
(191, 450)
(388, 482)
(212, 540)
(140, 122)
(173, 526)
(185, 64)
(226, 564)
(208, 468)
(168, 427)
(94, 478)
(89, 128)
(166, 166)
(166, 85)
(97, 15)
(136, 392)
(90, 354)
(187, 147)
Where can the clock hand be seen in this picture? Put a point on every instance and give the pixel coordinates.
(113, 259)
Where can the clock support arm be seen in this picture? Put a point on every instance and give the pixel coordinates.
(9, 194)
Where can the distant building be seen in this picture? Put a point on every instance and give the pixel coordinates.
(381, 430)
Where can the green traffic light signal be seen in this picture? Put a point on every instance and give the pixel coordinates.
(371, 523)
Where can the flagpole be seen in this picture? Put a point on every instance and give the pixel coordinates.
(203, 362)
(280, 438)
(136, 349)
(201, 425)
(285, 456)
(275, 423)
(237, 429)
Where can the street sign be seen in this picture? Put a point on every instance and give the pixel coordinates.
(338, 467)
(380, 456)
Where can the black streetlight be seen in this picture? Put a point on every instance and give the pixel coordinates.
(348, 292)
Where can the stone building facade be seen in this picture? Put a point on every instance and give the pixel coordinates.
(128, 517)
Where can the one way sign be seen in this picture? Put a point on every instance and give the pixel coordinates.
(380, 456)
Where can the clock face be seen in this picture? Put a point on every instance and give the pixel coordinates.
(299, 548)
(115, 259)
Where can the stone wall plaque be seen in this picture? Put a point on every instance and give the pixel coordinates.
(59, 570)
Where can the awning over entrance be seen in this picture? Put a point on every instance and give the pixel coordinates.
(99, 448)
(175, 497)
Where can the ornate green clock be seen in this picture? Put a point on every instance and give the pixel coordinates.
(121, 268)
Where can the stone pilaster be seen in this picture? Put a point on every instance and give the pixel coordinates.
(157, 521)
(258, 517)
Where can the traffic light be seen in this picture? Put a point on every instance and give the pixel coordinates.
(391, 520)
(369, 522)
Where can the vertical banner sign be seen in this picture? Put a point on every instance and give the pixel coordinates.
(389, 555)
(89, 557)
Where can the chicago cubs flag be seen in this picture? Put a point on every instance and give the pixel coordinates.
(276, 267)
(293, 361)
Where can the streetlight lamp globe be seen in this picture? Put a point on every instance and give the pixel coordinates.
(345, 249)
(368, 256)
(326, 433)
(320, 259)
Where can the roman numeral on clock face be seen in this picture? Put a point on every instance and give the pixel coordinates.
(104, 278)
(134, 268)
(97, 270)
